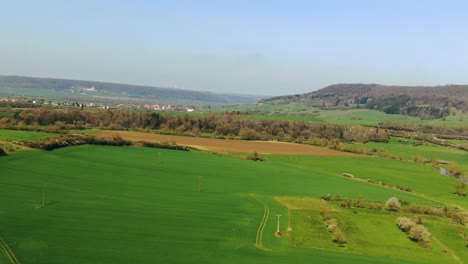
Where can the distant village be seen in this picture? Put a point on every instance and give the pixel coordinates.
(15, 102)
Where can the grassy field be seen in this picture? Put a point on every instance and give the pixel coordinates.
(365, 234)
(298, 111)
(17, 135)
(427, 150)
(141, 205)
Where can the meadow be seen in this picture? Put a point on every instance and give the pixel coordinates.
(299, 111)
(409, 148)
(142, 205)
(17, 135)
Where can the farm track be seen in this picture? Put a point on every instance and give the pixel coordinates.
(229, 146)
(261, 228)
(8, 252)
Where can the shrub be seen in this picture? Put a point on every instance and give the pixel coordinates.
(418, 159)
(454, 169)
(2, 152)
(415, 232)
(420, 234)
(460, 187)
(374, 206)
(392, 204)
(325, 197)
(255, 157)
(338, 237)
(405, 223)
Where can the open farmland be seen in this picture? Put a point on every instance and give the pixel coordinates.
(143, 205)
(233, 146)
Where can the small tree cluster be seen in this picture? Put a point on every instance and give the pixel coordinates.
(392, 204)
(415, 231)
(332, 226)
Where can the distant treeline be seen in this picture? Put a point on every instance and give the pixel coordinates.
(79, 139)
(402, 105)
(76, 140)
(227, 125)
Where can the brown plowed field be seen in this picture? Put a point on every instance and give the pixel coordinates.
(232, 146)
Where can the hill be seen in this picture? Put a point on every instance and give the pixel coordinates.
(123, 90)
(428, 102)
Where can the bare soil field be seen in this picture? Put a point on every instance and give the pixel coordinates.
(230, 146)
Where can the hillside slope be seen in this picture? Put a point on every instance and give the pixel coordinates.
(74, 86)
(422, 101)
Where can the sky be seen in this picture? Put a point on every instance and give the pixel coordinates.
(239, 46)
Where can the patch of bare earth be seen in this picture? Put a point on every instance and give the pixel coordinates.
(230, 146)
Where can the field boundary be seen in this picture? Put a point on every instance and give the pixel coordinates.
(261, 228)
(8, 252)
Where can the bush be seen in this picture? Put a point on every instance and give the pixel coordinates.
(2, 152)
(77, 139)
(255, 157)
(460, 187)
(392, 204)
(325, 197)
(415, 232)
(420, 234)
(405, 223)
(165, 145)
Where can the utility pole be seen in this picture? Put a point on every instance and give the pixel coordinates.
(278, 228)
(44, 195)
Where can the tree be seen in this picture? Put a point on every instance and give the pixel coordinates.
(392, 204)
(460, 187)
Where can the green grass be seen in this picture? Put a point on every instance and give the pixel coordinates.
(2, 114)
(423, 179)
(427, 150)
(372, 232)
(365, 234)
(17, 135)
(299, 111)
(142, 205)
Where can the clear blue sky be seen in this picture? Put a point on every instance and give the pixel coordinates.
(257, 47)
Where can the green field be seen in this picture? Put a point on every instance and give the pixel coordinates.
(141, 205)
(298, 111)
(17, 135)
(399, 146)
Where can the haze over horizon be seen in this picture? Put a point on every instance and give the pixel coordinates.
(247, 47)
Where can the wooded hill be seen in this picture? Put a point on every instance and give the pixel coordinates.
(125, 90)
(427, 102)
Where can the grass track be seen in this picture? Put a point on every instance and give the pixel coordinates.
(261, 228)
(8, 252)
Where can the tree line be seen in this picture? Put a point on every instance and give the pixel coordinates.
(224, 125)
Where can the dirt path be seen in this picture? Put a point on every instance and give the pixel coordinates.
(231, 146)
